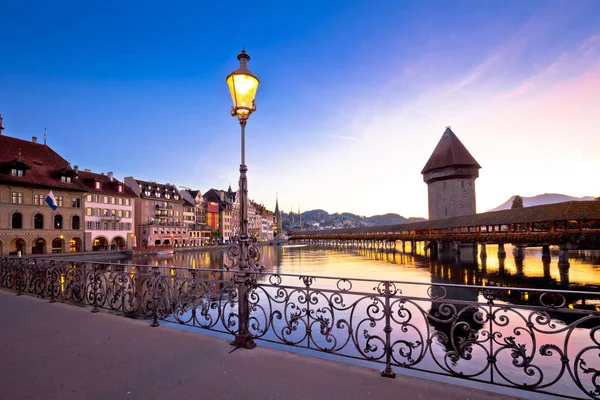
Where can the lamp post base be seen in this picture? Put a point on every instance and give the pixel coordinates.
(245, 341)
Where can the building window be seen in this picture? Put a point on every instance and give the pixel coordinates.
(113, 200)
(76, 203)
(120, 213)
(60, 201)
(75, 222)
(98, 185)
(157, 194)
(97, 225)
(114, 226)
(66, 179)
(17, 172)
(58, 221)
(147, 193)
(105, 199)
(127, 214)
(105, 212)
(89, 197)
(38, 221)
(121, 226)
(120, 189)
(105, 226)
(38, 199)
(167, 196)
(89, 225)
(127, 202)
(176, 197)
(17, 221)
(98, 212)
(17, 197)
(89, 211)
(120, 201)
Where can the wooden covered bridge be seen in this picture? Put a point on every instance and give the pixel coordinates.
(571, 225)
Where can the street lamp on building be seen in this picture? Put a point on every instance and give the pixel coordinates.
(244, 256)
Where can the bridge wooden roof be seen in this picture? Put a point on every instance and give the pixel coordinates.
(449, 152)
(567, 211)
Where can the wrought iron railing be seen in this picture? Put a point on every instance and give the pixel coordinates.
(539, 340)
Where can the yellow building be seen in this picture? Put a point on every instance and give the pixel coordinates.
(29, 171)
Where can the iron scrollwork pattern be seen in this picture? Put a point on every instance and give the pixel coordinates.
(538, 340)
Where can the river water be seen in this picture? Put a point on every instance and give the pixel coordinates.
(532, 272)
(510, 272)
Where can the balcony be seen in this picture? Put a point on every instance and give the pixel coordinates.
(111, 218)
(163, 207)
(163, 223)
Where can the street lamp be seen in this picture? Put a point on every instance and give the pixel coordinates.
(244, 256)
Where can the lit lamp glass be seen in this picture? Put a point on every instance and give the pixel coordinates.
(242, 85)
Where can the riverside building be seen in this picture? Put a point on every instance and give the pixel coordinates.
(109, 212)
(29, 172)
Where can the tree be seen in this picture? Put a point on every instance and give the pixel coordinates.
(517, 202)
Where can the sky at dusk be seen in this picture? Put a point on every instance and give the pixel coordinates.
(354, 95)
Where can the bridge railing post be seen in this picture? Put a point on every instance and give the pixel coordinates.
(388, 372)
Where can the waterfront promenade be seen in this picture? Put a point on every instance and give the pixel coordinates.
(60, 351)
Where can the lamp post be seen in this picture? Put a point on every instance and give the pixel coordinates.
(243, 254)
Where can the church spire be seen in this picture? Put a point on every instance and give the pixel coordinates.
(277, 213)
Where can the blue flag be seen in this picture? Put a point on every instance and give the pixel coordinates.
(51, 201)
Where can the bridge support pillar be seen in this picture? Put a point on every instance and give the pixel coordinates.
(563, 266)
(519, 253)
(501, 265)
(425, 247)
(546, 253)
(563, 258)
(403, 246)
(519, 256)
(483, 252)
(501, 251)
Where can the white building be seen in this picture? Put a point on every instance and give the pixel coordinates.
(109, 212)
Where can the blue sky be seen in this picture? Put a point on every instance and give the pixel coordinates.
(354, 96)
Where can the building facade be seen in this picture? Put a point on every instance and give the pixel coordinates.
(158, 213)
(224, 200)
(450, 175)
(29, 171)
(109, 212)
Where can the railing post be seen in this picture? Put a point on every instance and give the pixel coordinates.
(155, 275)
(243, 338)
(19, 277)
(388, 372)
(95, 287)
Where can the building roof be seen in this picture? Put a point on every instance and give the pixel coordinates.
(43, 167)
(449, 152)
(109, 187)
(161, 189)
(220, 197)
(188, 198)
(193, 193)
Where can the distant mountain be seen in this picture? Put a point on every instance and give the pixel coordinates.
(547, 198)
(391, 219)
(321, 219)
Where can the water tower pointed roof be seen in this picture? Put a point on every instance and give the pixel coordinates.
(449, 152)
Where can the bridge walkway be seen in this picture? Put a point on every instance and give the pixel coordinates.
(59, 351)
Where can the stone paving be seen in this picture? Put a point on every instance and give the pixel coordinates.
(61, 351)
